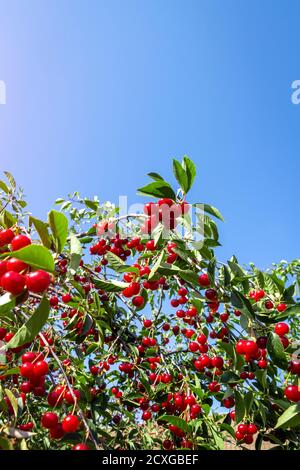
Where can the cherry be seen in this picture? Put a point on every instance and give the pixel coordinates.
(70, 423)
(38, 281)
(248, 439)
(281, 329)
(251, 348)
(167, 444)
(294, 366)
(262, 364)
(193, 346)
(57, 432)
(66, 298)
(6, 236)
(281, 307)
(239, 436)
(150, 245)
(27, 370)
(131, 290)
(190, 400)
(292, 393)
(26, 387)
(228, 402)
(261, 342)
(147, 323)
(252, 429)
(146, 415)
(269, 305)
(28, 357)
(14, 264)
(202, 339)
(138, 301)
(80, 446)
(69, 398)
(49, 420)
(211, 294)
(191, 311)
(217, 362)
(3, 332)
(214, 386)
(242, 428)
(195, 410)
(13, 282)
(203, 280)
(53, 301)
(3, 267)
(20, 241)
(40, 368)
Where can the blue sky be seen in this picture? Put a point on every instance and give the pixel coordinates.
(101, 92)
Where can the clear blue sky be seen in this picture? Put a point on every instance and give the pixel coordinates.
(101, 92)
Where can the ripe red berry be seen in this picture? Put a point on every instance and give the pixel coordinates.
(242, 428)
(49, 420)
(16, 265)
(6, 236)
(217, 362)
(250, 348)
(193, 346)
(292, 393)
(38, 281)
(146, 415)
(70, 423)
(203, 280)
(20, 241)
(211, 294)
(281, 329)
(248, 439)
(80, 446)
(281, 307)
(269, 305)
(13, 282)
(66, 298)
(147, 323)
(40, 368)
(27, 370)
(252, 429)
(138, 301)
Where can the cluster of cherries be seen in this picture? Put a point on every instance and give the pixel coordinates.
(165, 211)
(15, 275)
(245, 432)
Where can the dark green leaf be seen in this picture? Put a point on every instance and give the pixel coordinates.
(190, 169)
(180, 175)
(290, 418)
(32, 327)
(276, 351)
(36, 256)
(155, 176)
(42, 230)
(59, 226)
(158, 189)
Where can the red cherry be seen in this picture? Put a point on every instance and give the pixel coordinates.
(80, 446)
(3, 333)
(269, 305)
(252, 429)
(262, 364)
(146, 415)
(217, 362)
(214, 387)
(66, 298)
(294, 366)
(248, 439)
(3, 267)
(6, 236)
(228, 402)
(239, 436)
(281, 329)
(138, 301)
(69, 398)
(28, 357)
(167, 444)
(16, 265)
(147, 323)
(57, 432)
(53, 301)
(20, 241)
(242, 428)
(281, 307)
(191, 311)
(49, 420)
(203, 280)
(250, 348)
(70, 423)
(40, 368)
(211, 294)
(190, 400)
(13, 282)
(27, 370)
(193, 346)
(292, 393)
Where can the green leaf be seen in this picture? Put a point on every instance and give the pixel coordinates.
(156, 264)
(32, 327)
(7, 219)
(59, 226)
(292, 310)
(248, 400)
(11, 179)
(155, 176)
(239, 301)
(158, 189)
(290, 418)
(179, 422)
(7, 303)
(180, 175)
(13, 400)
(42, 230)
(213, 211)
(230, 377)
(75, 252)
(276, 351)
(4, 187)
(110, 286)
(36, 256)
(190, 168)
(118, 265)
(189, 276)
(239, 407)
